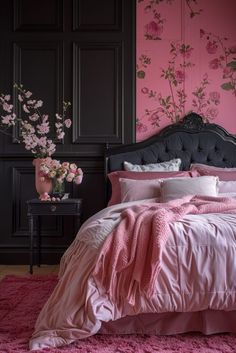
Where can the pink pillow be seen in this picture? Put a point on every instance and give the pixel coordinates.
(222, 173)
(133, 190)
(115, 176)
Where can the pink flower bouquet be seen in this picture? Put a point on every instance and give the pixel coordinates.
(59, 172)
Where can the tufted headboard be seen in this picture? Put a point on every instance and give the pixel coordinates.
(192, 140)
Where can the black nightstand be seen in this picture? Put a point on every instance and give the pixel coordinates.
(37, 208)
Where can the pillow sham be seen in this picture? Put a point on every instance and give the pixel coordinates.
(172, 166)
(225, 174)
(133, 190)
(115, 176)
(176, 188)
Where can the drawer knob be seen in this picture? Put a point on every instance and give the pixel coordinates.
(53, 208)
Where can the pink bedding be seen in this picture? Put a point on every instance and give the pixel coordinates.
(198, 264)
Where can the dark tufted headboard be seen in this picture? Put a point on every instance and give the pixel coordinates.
(192, 140)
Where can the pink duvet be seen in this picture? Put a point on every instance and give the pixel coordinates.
(190, 267)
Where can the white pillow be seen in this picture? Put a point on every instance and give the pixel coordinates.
(227, 186)
(176, 188)
(133, 190)
(169, 166)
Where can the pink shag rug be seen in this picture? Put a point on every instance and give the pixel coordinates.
(21, 299)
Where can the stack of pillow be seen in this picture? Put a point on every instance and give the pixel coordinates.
(166, 182)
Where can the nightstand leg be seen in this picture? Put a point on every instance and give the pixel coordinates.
(39, 239)
(77, 224)
(31, 231)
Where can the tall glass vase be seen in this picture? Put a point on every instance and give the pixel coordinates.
(58, 187)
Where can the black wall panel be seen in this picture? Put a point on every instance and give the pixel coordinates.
(38, 15)
(100, 63)
(81, 51)
(105, 15)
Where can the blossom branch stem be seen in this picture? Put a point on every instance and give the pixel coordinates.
(173, 98)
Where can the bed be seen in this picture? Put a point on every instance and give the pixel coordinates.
(193, 288)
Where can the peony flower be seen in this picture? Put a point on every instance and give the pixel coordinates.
(215, 97)
(78, 179)
(153, 30)
(52, 174)
(53, 169)
(66, 165)
(73, 168)
(212, 112)
(70, 177)
(214, 64)
(211, 47)
(55, 164)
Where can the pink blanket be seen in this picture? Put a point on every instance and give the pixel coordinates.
(130, 258)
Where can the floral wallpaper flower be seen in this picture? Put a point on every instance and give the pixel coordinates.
(186, 61)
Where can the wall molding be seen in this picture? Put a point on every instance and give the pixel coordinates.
(18, 24)
(118, 115)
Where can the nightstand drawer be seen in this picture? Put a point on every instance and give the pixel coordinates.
(55, 208)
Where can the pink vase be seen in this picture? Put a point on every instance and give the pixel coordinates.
(41, 186)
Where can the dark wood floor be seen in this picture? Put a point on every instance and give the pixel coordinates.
(21, 270)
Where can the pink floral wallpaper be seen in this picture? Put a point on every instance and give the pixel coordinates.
(186, 61)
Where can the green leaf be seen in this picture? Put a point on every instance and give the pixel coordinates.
(232, 64)
(141, 74)
(227, 86)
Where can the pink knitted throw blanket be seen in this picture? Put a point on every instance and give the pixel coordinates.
(130, 258)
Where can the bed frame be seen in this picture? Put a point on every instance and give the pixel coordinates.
(191, 140)
(194, 141)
